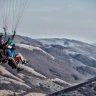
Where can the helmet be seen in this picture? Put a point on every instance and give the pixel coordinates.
(1, 35)
(10, 43)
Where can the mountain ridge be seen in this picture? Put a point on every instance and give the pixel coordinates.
(52, 67)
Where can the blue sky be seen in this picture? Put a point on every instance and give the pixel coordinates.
(73, 19)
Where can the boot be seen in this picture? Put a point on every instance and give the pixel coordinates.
(25, 61)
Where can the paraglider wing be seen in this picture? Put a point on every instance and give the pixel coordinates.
(12, 11)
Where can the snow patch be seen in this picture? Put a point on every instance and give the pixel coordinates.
(33, 71)
(70, 52)
(71, 60)
(3, 71)
(6, 93)
(34, 48)
(35, 94)
(60, 81)
(92, 58)
(5, 82)
(12, 81)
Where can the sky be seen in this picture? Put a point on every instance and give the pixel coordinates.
(72, 19)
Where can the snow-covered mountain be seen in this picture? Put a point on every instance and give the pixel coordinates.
(62, 42)
(77, 46)
(54, 65)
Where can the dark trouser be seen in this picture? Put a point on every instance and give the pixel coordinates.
(12, 63)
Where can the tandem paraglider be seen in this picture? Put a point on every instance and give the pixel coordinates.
(15, 10)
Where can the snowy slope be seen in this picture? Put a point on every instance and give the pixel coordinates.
(73, 45)
(53, 66)
(62, 42)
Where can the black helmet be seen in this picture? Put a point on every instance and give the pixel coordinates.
(1, 35)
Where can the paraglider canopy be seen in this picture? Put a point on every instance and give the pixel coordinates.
(12, 11)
